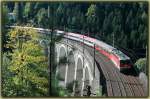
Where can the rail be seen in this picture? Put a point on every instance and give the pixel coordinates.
(117, 83)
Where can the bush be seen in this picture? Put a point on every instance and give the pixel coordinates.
(140, 65)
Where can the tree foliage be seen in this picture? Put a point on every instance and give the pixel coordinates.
(141, 65)
(4, 22)
(123, 19)
(41, 17)
(18, 11)
(28, 65)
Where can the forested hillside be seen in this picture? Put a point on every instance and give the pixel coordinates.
(126, 22)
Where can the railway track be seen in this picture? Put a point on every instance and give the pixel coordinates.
(117, 83)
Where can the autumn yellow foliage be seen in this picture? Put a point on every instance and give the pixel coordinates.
(28, 60)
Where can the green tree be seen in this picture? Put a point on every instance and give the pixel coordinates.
(91, 18)
(5, 22)
(60, 14)
(42, 16)
(107, 24)
(27, 11)
(141, 64)
(18, 11)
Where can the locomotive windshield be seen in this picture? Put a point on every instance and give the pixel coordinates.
(125, 61)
